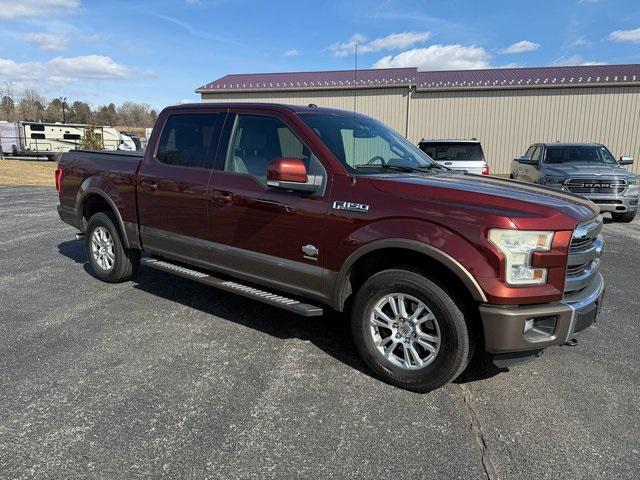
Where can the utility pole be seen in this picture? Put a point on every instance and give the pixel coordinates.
(63, 101)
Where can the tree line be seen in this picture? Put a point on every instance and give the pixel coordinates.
(33, 107)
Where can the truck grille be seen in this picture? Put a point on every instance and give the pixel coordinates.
(596, 185)
(584, 256)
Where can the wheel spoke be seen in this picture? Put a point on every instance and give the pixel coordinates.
(407, 355)
(388, 350)
(417, 313)
(428, 342)
(429, 316)
(381, 319)
(402, 307)
(414, 353)
(393, 305)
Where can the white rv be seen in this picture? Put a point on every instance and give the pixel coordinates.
(46, 139)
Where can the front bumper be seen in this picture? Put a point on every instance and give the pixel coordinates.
(504, 326)
(627, 201)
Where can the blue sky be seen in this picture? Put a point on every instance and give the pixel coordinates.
(159, 52)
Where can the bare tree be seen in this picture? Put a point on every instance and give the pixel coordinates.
(31, 106)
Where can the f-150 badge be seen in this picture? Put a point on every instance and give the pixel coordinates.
(351, 206)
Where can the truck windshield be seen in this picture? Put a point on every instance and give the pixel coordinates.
(366, 145)
(578, 154)
(460, 151)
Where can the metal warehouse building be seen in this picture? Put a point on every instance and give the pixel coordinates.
(507, 109)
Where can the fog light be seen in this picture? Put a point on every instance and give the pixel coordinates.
(539, 329)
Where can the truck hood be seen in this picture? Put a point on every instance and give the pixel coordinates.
(585, 170)
(505, 197)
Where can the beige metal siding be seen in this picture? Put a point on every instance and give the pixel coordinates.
(506, 121)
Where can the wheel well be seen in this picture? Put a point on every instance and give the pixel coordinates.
(400, 258)
(93, 204)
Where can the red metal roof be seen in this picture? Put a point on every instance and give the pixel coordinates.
(436, 80)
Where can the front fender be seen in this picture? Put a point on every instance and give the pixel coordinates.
(458, 254)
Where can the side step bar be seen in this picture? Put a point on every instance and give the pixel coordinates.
(232, 286)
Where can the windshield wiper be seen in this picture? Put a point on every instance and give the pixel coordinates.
(403, 168)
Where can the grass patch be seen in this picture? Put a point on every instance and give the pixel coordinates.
(23, 172)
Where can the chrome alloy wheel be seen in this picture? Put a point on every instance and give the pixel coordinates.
(102, 248)
(405, 331)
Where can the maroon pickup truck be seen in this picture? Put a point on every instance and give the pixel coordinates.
(308, 208)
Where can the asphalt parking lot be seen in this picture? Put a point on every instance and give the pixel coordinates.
(166, 377)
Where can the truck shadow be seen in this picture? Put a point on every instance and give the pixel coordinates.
(330, 332)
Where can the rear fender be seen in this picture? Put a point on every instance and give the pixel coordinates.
(101, 186)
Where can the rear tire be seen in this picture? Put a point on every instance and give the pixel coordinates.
(110, 260)
(626, 217)
(448, 330)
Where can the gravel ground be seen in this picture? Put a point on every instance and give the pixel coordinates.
(165, 377)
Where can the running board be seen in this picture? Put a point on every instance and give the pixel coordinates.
(231, 286)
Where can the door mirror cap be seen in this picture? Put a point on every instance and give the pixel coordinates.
(527, 159)
(289, 173)
(626, 160)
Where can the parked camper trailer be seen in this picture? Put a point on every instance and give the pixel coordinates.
(47, 139)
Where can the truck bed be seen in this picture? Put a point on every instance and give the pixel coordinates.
(107, 176)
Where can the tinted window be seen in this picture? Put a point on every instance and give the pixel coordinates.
(453, 151)
(37, 128)
(71, 136)
(257, 140)
(530, 151)
(38, 136)
(188, 140)
(578, 154)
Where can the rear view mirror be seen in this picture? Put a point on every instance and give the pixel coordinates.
(289, 173)
(527, 160)
(626, 160)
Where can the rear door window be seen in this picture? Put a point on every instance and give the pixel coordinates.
(189, 140)
(452, 151)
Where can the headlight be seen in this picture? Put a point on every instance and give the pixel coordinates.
(517, 247)
(554, 180)
(632, 181)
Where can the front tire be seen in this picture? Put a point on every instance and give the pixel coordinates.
(626, 217)
(110, 260)
(410, 331)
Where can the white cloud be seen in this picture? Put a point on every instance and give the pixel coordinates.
(48, 41)
(575, 60)
(520, 47)
(579, 42)
(438, 57)
(393, 41)
(631, 36)
(36, 8)
(291, 53)
(62, 70)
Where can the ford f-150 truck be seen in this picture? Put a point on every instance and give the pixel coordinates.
(307, 209)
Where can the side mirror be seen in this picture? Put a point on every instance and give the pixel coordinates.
(527, 160)
(289, 173)
(626, 160)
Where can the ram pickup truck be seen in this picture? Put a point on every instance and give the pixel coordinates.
(309, 209)
(587, 169)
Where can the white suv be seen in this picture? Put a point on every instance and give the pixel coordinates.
(465, 155)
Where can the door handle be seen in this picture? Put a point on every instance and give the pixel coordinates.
(149, 185)
(222, 198)
(272, 206)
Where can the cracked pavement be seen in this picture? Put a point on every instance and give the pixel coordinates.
(164, 377)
